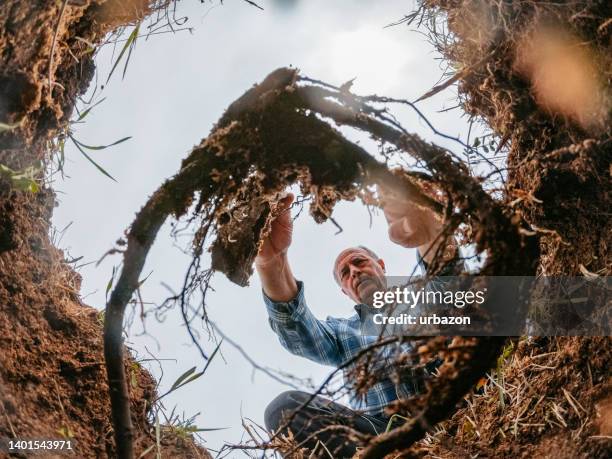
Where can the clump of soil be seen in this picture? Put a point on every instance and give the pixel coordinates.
(46, 61)
(551, 399)
(52, 374)
(538, 74)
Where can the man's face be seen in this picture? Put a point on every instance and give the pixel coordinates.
(359, 274)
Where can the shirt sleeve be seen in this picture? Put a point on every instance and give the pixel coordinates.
(300, 332)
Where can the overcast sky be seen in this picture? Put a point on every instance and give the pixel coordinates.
(175, 88)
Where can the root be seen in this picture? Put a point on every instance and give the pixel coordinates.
(268, 139)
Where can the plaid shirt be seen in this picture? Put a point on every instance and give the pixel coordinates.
(334, 341)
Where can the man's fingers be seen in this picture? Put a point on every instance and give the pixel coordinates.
(287, 200)
(279, 237)
(284, 203)
(282, 213)
(282, 223)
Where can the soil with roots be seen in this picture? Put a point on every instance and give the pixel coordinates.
(53, 382)
(546, 398)
(52, 377)
(538, 74)
(551, 398)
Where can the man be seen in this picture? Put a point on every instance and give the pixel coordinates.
(336, 341)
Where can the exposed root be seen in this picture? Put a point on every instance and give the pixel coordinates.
(271, 138)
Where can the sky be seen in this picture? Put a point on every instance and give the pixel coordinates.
(176, 86)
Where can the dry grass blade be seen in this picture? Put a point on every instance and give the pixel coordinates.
(442, 86)
(573, 402)
(4, 127)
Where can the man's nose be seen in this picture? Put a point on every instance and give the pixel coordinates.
(355, 271)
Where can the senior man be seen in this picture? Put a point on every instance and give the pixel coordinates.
(337, 341)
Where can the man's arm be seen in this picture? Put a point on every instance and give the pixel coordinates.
(272, 263)
(277, 278)
(298, 330)
(301, 333)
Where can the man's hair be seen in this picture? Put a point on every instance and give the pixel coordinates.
(370, 251)
(365, 249)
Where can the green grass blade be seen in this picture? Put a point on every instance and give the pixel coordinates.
(89, 109)
(182, 378)
(22, 180)
(392, 418)
(144, 280)
(109, 284)
(129, 56)
(62, 158)
(100, 168)
(197, 375)
(128, 44)
(212, 356)
(102, 147)
(190, 379)
(210, 429)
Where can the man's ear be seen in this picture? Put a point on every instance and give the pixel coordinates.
(381, 262)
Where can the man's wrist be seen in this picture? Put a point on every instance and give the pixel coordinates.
(276, 277)
(448, 251)
(277, 260)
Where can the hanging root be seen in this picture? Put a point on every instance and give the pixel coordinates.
(273, 137)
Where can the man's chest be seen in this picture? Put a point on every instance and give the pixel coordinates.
(358, 348)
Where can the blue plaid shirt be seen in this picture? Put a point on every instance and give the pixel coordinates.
(334, 341)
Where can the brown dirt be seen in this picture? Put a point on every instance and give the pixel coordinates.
(556, 396)
(52, 374)
(46, 61)
(538, 73)
(558, 136)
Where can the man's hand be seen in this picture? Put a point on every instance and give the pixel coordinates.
(409, 225)
(413, 226)
(278, 241)
(272, 262)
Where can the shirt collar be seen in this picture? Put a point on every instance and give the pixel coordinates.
(359, 308)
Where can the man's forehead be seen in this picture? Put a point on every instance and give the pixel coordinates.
(348, 254)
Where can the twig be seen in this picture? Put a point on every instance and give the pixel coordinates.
(253, 4)
(174, 197)
(249, 359)
(52, 51)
